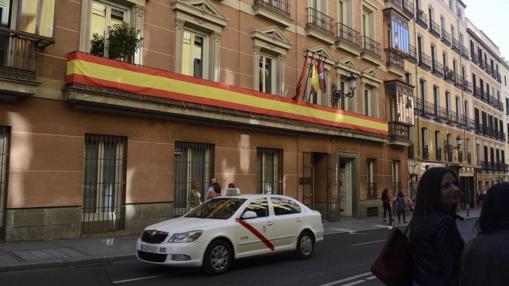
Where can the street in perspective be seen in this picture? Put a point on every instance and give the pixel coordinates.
(254, 142)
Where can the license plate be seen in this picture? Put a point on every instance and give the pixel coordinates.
(149, 248)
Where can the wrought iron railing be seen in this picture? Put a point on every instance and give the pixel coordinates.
(434, 28)
(345, 33)
(17, 56)
(467, 86)
(371, 46)
(317, 19)
(464, 52)
(424, 61)
(455, 44)
(446, 37)
(422, 18)
(437, 68)
(279, 6)
(399, 131)
(395, 59)
(408, 8)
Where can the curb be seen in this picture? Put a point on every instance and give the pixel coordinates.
(64, 263)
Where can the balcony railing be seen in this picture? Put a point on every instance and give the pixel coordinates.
(408, 8)
(474, 58)
(422, 18)
(395, 59)
(279, 6)
(345, 33)
(424, 61)
(446, 37)
(437, 68)
(411, 55)
(320, 20)
(467, 86)
(425, 152)
(434, 28)
(399, 131)
(372, 192)
(464, 52)
(371, 46)
(449, 75)
(455, 44)
(17, 56)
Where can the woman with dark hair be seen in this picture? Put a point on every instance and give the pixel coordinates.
(386, 203)
(435, 242)
(486, 258)
(399, 205)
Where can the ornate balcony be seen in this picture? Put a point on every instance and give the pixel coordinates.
(421, 18)
(437, 69)
(467, 86)
(455, 44)
(17, 64)
(411, 55)
(464, 52)
(371, 50)
(399, 133)
(348, 39)
(320, 26)
(446, 37)
(395, 62)
(274, 10)
(408, 8)
(424, 61)
(434, 28)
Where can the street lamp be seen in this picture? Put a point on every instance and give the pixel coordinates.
(337, 93)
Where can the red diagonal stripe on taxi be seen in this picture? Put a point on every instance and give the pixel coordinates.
(257, 233)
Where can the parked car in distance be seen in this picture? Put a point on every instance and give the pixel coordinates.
(222, 229)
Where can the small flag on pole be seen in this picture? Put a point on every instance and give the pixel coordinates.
(299, 83)
(315, 83)
(321, 75)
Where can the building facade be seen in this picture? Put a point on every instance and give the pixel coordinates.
(92, 145)
(443, 134)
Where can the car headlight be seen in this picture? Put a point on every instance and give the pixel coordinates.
(189, 236)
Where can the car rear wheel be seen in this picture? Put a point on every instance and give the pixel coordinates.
(218, 257)
(305, 245)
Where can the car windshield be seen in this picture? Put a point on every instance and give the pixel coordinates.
(218, 208)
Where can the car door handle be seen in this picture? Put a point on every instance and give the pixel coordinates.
(269, 223)
(298, 220)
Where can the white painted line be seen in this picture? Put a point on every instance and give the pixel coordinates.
(347, 279)
(342, 230)
(369, 242)
(370, 278)
(384, 226)
(137, 279)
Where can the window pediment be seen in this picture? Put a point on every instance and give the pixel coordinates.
(202, 9)
(347, 67)
(372, 77)
(322, 52)
(273, 36)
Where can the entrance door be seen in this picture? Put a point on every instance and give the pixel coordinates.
(345, 186)
(4, 148)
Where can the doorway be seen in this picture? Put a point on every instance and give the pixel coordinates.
(345, 175)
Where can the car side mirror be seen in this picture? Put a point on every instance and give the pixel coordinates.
(249, 215)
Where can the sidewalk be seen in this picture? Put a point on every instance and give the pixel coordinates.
(55, 253)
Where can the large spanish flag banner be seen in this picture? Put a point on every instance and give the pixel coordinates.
(95, 71)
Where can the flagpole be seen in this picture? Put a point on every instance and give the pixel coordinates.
(309, 74)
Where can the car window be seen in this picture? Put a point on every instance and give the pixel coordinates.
(260, 207)
(284, 206)
(218, 208)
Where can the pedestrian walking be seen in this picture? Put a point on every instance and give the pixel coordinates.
(386, 203)
(400, 206)
(435, 242)
(485, 259)
(193, 196)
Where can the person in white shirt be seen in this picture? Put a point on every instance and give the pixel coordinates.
(210, 190)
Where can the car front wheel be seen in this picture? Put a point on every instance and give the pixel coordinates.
(218, 257)
(305, 245)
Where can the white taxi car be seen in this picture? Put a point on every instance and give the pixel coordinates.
(222, 229)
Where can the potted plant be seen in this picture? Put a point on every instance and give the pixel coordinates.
(120, 43)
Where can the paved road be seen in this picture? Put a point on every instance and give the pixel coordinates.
(342, 259)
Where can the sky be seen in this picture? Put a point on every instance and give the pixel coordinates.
(491, 16)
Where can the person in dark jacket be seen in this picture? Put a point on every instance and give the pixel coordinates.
(485, 259)
(435, 242)
(386, 203)
(399, 205)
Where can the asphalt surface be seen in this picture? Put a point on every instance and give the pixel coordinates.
(341, 259)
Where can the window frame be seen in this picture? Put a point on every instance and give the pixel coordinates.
(15, 16)
(276, 184)
(292, 203)
(205, 58)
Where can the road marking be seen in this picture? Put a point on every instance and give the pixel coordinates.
(368, 242)
(137, 279)
(359, 281)
(347, 279)
(384, 226)
(350, 231)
